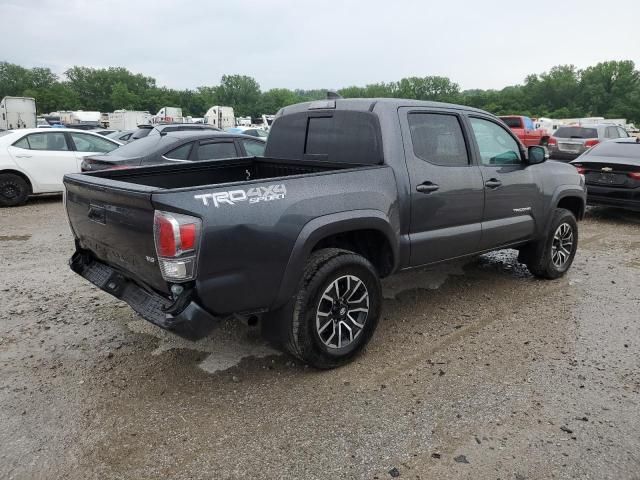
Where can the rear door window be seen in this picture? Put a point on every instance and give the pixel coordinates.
(253, 148)
(180, 153)
(49, 141)
(216, 150)
(438, 139)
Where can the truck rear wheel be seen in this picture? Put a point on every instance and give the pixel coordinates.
(14, 190)
(335, 311)
(551, 256)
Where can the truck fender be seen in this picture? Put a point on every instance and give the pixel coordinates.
(563, 191)
(322, 227)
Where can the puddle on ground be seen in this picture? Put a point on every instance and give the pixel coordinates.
(228, 344)
(430, 278)
(233, 341)
(9, 238)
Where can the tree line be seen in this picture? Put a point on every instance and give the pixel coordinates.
(609, 89)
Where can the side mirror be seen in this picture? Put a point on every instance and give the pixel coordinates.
(537, 154)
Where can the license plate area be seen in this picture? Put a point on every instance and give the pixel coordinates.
(608, 178)
(569, 147)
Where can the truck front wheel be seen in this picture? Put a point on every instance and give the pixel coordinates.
(551, 256)
(335, 311)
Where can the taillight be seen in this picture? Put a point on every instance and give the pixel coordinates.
(634, 175)
(591, 143)
(176, 238)
(552, 141)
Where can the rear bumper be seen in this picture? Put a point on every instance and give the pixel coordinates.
(628, 198)
(184, 317)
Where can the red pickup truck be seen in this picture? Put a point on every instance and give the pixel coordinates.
(524, 129)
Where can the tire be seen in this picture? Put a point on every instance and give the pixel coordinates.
(552, 256)
(14, 190)
(334, 280)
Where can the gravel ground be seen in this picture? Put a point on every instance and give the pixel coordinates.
(477, 370)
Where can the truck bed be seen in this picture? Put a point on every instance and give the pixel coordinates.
(216, 172)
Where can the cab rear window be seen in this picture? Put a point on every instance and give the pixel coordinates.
(576, 132)
(336, 136)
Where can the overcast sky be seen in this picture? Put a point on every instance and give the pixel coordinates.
(331, 44)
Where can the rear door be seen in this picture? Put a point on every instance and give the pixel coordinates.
(511, 191)
(46, 157)
(446, 187)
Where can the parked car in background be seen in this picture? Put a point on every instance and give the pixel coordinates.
(34, 160)
(144, 130)
(254, 132)
(612, 173)
(122, 136)
(568, 143)
(176, 147)
(525, 130)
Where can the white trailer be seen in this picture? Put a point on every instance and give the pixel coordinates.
(220, 117)
(17, 112)
(243, 121)
(168, 115)
(86, 118)
(128, 119)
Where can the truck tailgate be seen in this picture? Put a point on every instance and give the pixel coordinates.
(114, 222)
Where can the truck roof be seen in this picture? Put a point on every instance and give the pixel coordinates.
(368, 104)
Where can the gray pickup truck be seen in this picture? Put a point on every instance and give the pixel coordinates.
(349, 191)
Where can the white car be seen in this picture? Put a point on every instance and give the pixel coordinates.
(34, 160)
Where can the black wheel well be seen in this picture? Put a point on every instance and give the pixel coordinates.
(370, 243)
(574, 204)
(21, 175)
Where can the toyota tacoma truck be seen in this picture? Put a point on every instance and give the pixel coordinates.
(526, 131)
(349, 191)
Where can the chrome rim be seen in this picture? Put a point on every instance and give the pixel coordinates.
(562, 245)
(342, 311)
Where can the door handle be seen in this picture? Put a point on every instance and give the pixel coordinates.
(493, 183)
(24, 156)
(427, 187)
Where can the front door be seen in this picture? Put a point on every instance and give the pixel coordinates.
(512, 192)
(446, 187)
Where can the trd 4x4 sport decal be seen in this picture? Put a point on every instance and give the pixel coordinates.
(252, 195)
